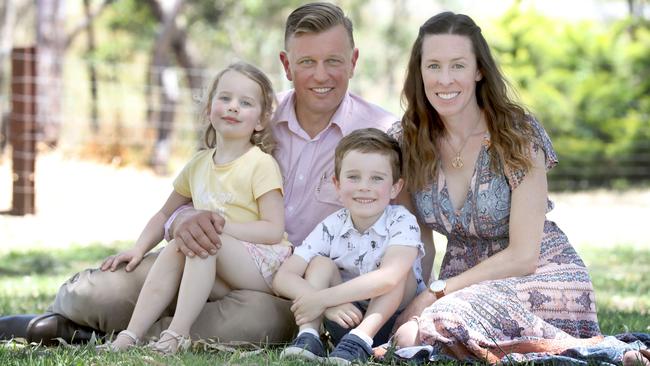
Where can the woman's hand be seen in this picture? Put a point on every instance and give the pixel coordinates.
(308, 307)
(415, 308)
(132, 257)
(407, 334)
(346, 315)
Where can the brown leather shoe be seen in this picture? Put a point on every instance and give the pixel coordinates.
(46, 328)
(15, 326)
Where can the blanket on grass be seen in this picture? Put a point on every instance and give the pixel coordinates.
(606, 350)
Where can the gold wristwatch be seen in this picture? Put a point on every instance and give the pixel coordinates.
(438, 288)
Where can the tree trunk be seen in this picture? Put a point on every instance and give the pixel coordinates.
(163, 78)
(393, 53)
(87, 22)
(50, 47)
(8, 16)
(92, 72)
(636, 12)
(193, 71)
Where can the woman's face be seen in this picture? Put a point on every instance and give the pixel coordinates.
(450, 73)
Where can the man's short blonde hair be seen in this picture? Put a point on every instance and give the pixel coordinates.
(315, 18)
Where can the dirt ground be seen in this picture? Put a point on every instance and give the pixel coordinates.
(83, 202)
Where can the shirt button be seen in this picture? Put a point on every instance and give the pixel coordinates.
(290, 208)
(301, 177)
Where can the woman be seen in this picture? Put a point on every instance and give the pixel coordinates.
(475, 163)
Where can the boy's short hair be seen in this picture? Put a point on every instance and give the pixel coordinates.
(315, 18)
(370, 140)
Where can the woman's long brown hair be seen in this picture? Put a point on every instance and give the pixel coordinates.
(507, 122)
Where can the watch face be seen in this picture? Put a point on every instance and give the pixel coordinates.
(438, 285)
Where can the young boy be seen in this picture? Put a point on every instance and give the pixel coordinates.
(361, 263)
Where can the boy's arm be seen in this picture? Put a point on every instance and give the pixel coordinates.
(151, 235)
(395, 264)
(269, 229)
(288, 280)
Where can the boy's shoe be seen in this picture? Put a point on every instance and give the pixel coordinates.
(306, 346)
(350, 349)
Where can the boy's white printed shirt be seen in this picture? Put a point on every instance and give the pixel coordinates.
(356, 253)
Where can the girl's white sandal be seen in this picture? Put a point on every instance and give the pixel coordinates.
(110, 346)
(174, 344)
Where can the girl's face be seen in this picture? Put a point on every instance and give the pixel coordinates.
(236, 108)
(450, 73)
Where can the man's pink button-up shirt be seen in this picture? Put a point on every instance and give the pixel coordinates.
(307, 164)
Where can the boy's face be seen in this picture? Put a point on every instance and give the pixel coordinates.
(365, 186)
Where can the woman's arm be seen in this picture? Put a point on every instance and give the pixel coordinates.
(527, 216)
(151, 235)
(395, 264)
(425, 298)
(269, 229)
(426, 236)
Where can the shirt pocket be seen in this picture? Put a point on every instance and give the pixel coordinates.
(326, 191)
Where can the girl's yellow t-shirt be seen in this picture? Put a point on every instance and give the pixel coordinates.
(230, 189)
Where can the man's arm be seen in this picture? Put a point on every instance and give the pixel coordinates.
(196, 232)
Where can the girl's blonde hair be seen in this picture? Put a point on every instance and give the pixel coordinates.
(507, 121)
(264, 138)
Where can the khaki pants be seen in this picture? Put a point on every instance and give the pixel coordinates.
(105, 301)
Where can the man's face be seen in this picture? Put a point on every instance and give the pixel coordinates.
(320, 66)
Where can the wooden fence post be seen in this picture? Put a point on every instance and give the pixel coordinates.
(22, 129)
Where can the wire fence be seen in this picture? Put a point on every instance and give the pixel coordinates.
(133, 113)
(617, 171)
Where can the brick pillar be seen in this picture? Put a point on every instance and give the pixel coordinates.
(22, 129)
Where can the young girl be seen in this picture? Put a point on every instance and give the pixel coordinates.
(235, 177)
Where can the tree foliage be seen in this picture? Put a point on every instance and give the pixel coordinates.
(589, 85)
(588, 82)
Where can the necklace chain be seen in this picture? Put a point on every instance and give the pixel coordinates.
(457, 161)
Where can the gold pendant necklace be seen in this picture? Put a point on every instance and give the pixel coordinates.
(457, 161)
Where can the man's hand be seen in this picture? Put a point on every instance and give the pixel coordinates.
(131, 257)
(308, 307)
(346, 315)
(196, 232)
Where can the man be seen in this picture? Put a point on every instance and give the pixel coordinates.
(319, 58)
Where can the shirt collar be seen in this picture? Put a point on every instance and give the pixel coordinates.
(380, 226)
(340, 118)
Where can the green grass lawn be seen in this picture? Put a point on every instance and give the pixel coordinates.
(29, 280)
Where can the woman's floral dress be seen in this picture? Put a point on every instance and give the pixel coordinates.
(537, 313)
